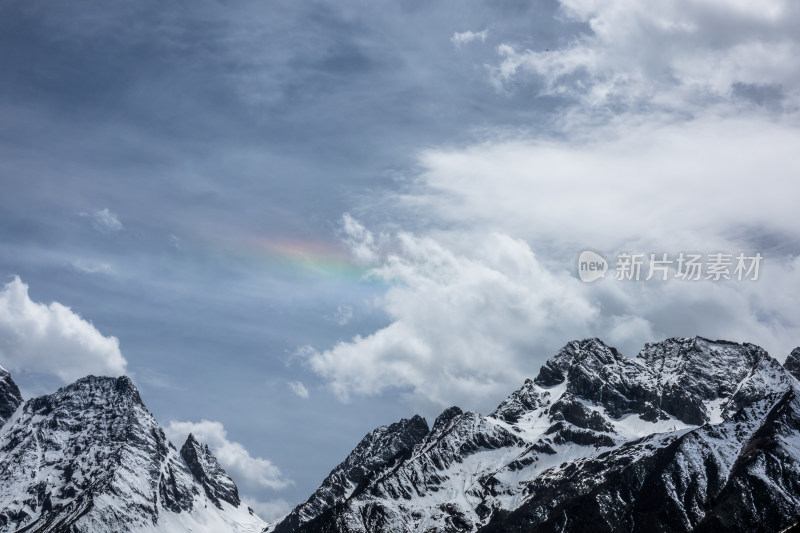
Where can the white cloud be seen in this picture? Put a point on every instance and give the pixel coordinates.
(92, 267)
(253, 472)
(459, 39)
(672, 54)
(706, 183)
(270, 510)
(359, 240)
(485, 291)
(466, 318)
(680, 133)
(104, 220)
(343, 315)
(299, 389)
(52, 338)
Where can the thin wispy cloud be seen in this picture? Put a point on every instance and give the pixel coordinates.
(460, 39)
(343, 315)
(298, 389)
(92, 267)
(104, 220)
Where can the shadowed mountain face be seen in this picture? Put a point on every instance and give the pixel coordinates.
(380, 450)
(792, 363)
(690, 435)
(90, 457)
(10, 398)
(207, 471)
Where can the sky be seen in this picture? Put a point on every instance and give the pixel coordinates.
(292, 222)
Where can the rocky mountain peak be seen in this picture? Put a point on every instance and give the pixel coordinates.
(587, 354)
(91, 457)
(525, 399)
(792, 363)
(690, 433)
(445, 417)
(96, 389)
(675, 354)
(207, 471)
(680, 377)
(10, 397)
(378, 451)
(700, 367)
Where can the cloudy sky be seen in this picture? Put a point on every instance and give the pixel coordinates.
(291, 222)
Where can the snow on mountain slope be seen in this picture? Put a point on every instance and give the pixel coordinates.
(690, 435)
(601, 442)
(664, 482)
(379, 449)
(90, 458)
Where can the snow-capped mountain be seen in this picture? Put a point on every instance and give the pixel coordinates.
(380, 449)
(690, 435)
(208, 472)
(92, 458)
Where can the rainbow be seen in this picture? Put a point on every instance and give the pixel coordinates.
(294, 257)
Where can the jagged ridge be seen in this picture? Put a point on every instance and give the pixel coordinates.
(690, 435)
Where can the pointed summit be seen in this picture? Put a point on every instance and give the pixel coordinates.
(792, 363)
(525, 399)
(446, 416)
(378, 450)
(207, 471)
(598, 373)
(588, 353)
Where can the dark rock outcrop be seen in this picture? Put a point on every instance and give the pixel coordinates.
(206, 470)
(10, 397)
(792, 363)
(378, 451)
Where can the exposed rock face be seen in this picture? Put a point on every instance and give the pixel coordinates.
(381, 449)
(207, 471)
(690, 435)
(792, 363)
(90, 457)
(10, 398)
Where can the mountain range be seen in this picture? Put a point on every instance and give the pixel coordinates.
(689, 435)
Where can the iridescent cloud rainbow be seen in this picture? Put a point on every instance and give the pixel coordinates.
(309, 258)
